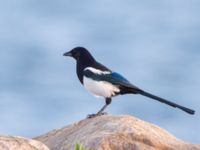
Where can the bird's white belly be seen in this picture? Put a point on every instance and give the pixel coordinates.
(100, 88)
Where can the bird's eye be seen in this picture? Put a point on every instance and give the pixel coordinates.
(76, 54)
(73, 53)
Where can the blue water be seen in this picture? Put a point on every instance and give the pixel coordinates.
(154, 44)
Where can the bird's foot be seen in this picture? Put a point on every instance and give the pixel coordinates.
(97, 114)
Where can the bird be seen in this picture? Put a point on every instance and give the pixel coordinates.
(101, 81)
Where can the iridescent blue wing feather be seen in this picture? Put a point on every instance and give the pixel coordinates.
(113, 78)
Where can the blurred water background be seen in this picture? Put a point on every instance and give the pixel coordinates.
(155, 44)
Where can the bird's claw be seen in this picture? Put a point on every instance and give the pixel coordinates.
(97, 114)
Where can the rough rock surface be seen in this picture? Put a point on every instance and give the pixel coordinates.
(110, 132)
(19, 143)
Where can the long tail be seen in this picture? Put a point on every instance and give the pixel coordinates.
(190, 111)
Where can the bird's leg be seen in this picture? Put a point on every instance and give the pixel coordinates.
(100, 112)
(108, 101)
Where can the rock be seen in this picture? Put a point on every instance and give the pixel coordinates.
(19, 143)
(110, 132)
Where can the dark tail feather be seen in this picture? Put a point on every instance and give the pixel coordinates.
(190, 111)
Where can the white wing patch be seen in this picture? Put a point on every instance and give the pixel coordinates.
(100, 88)
(97, 71)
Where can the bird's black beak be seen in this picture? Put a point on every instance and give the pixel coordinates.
(67, 54)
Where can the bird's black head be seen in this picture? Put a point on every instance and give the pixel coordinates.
(79, 53)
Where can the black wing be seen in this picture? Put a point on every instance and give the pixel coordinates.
(113, 78)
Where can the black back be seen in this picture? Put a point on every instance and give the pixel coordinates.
(85, 59)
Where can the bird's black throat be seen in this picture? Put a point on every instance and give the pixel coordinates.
(83, 62)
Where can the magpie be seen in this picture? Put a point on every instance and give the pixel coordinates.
(103, 82)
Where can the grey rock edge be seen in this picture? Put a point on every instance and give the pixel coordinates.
(110, 132)
(19, 143)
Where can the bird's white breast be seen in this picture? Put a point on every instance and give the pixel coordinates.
(99, 88)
